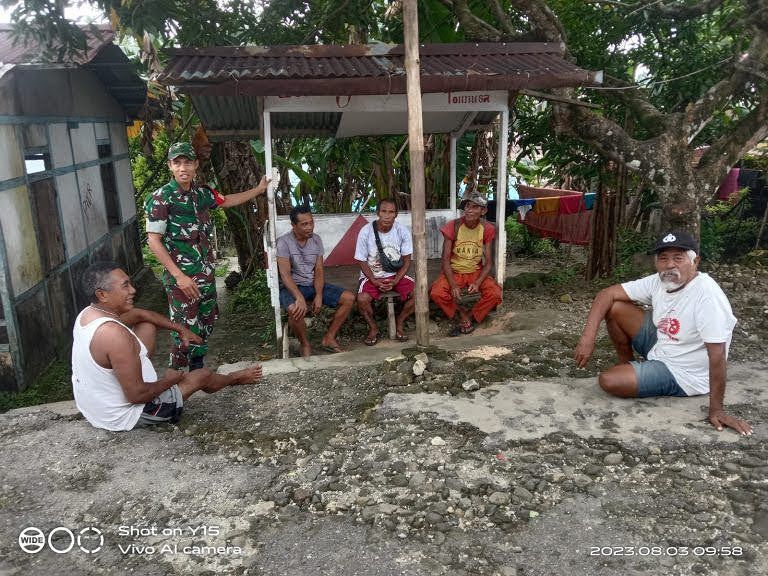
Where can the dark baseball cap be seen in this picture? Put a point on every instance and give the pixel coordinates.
(181, 149)
(681, 240)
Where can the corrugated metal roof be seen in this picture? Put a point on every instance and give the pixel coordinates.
(228, 84)
(20, 53)
(102, 57)
(368, 69)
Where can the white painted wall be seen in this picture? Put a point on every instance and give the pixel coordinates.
(332, 227)
(23, 258)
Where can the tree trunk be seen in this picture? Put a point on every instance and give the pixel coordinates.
(237, 171)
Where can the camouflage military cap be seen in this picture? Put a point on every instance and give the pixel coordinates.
(475, 198)
(181, 149)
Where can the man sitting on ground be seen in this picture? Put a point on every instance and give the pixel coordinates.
(383, 250)
(302, 278)
(114, 383)
(466, 263)
(684, 338)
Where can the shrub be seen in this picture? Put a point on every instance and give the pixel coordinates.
(520, 242)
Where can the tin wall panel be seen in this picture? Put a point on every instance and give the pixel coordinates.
(71, 214)
(92, 200)
(34, 135)
(22, 255)
(50, 238)
(101, 130)
(7, 373)
(11, 160)
(35, 334)
(83, 143)
(119, 138)
(132, 245)
(61, 150)
(125, 189)
(62, 312)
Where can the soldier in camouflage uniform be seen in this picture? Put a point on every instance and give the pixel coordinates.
(179, 230)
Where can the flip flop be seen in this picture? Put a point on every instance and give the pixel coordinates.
(371, 341)
(401, 337)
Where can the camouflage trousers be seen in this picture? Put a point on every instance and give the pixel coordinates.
(197, 315)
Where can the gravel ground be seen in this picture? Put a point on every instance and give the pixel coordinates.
(377, 471)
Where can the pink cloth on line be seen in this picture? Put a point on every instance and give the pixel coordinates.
(730, 185)
(571, 204)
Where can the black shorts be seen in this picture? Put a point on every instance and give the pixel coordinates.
(167, 407)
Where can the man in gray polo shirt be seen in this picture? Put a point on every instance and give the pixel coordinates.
(302, 280)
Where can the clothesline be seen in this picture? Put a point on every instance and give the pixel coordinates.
(572, 203)
(565, 215)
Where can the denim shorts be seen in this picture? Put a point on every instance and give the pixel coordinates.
(653, 376)
(331, 295)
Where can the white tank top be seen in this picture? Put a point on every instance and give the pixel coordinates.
(98, 394)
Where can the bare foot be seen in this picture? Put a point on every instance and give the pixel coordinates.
(331, 345)
(306, 351)
(249, 375)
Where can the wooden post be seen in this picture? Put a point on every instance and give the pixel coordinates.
(416, 150)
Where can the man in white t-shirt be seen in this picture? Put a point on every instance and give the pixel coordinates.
(383, 267)
(113, 380)
(684, 338)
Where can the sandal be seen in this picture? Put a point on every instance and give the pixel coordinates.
(467, 327)
(401, 337)
(371, 341)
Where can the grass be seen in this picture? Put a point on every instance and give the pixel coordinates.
(54, 385)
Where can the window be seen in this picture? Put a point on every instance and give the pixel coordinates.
(36, 162)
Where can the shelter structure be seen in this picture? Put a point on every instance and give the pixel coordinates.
(66, 192)
(345, 91)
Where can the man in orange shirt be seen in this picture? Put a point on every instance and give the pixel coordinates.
(467, 263)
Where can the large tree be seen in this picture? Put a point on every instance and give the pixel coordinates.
(702, 67)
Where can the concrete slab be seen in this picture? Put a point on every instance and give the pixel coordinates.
(529, 410)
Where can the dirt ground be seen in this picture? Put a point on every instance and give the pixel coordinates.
(500, 458)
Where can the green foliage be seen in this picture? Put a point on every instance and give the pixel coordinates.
(520, 242)
(148, 173)
(251, 294)
(54, 385)
(252, 297)
(222, 268)
(630, 244)
(725, 239)
(151, 260)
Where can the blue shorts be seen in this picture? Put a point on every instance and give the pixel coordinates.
(331, 295)
(653, 376)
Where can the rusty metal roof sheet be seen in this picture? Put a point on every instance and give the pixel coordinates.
(19, 52)
(368, 69)
(102, 57)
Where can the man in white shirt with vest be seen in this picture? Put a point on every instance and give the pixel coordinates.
(685, 337)
(384, 250)
(113, 380)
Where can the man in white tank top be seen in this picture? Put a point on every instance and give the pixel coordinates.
(684, 338)
(114, 383)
